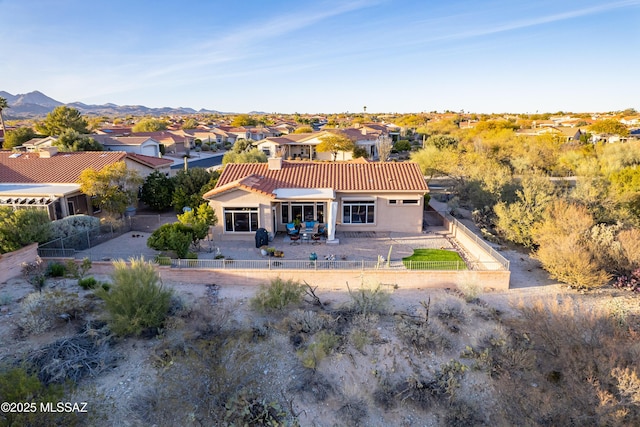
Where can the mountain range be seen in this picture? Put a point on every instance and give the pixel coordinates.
(37, 104)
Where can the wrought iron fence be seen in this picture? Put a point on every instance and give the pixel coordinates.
(281, 264)
(478, 240)
(67, 246)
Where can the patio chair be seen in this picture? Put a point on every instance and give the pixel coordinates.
(309, 227)
(292, 230)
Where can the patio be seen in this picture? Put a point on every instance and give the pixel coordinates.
(353, 246)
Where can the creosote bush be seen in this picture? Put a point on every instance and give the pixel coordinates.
(323, 345)
(42, 310)
(137, 300)
(277, 295)
(370, 300)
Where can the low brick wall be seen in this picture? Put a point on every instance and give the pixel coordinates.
(488, 280)
(11, 263)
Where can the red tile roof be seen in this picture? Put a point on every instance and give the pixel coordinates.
(355, 177)
(60, 168)
(149, 160)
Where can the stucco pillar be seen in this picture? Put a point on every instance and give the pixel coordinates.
(331, 224)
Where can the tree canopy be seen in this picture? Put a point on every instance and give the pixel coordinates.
(22, 227)
(254, 155)
(189, 186)
(61, 119)
(157, 191)
(114, 186)
(334, 143)
(610, 126)
(17, 137)
(243, 120)
(70, 140)
(149, 125)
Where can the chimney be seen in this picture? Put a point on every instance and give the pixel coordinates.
(48, 152)
(275, 163)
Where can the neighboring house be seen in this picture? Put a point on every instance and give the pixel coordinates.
(347, 196)
(209, 136)
(175, 142)
(131, 144)
(304, 145)
(36, 144)
(115, 131)
(49, 180)
(631, 120)
(257, 133)
(607, 137)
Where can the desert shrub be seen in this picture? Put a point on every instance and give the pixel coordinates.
(72, 225)
(368, 300)
(564, 250)
(451, 312)
(463, 413)
(137, 301)
(323, 345)
(313, 384)
(470, 290)
(77, 271)
(88, 282)
(162, 260)
(443, 386)
(308, 321)
(245, 409)
(5, 299)
(424, 336)
(353, 412)
(34, 273)
(42, 310)
(18, 384)
(359, 338)
(576, 351)
(55, 269)
(630, 243)
(208, 380)
(277, 295)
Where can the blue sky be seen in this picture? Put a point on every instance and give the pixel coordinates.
(327, 56)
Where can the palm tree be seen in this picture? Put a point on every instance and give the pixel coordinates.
(3, 105)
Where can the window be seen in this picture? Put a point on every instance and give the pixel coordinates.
(240, 219)
(304, 211)
(410, 202)
(393, 202)
(358, 212)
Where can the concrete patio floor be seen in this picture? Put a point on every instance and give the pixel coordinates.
(352, 246)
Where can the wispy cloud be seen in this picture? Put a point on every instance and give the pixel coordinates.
(526, 23)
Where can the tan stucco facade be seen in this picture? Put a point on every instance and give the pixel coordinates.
(396, 212)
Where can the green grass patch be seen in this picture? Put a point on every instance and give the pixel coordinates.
(434, 259)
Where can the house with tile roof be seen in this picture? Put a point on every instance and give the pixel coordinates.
(49, 180)
(346, 196)
(303, 145)
(131, 144)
